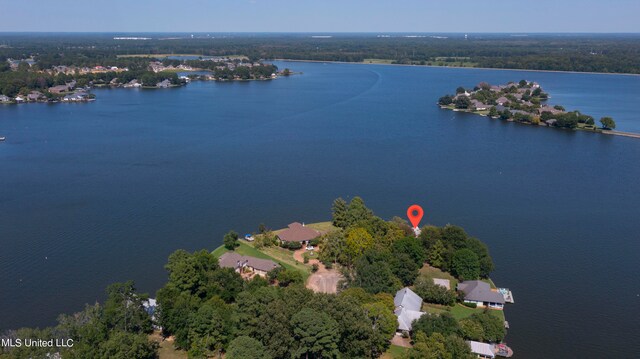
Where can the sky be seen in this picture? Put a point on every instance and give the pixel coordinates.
(320, 16)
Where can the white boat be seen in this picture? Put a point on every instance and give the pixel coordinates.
(2, 138)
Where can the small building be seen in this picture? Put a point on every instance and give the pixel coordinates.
(481, 350)
(4, 98)
(19, 99)
(298, 233)
(481, 293)
(239, 263)
(408, 308)
(34, 96)
(502, 100)
(442, 282)
(479, 106)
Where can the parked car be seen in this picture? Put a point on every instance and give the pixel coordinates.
(249, 237)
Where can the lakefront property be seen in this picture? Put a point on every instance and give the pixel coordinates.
(523, 102)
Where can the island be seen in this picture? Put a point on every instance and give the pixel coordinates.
(357, 286)
(522, 102)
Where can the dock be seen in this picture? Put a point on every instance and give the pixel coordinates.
(620, 133)
(506, 293)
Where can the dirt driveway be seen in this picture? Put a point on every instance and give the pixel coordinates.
(324, 280)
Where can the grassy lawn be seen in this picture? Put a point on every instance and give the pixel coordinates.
(433, 272)
(435, 308)
(323, 226)
(377, 61)
(460, 312)
(394, 351)
(279, 255)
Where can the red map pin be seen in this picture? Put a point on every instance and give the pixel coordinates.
(415, 214)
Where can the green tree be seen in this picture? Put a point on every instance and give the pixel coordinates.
(404, 268)
(383, 325)
(465, 264)
(358, 213)
(462, 102)
(432, 347)
(608, 123)
(339, 211)
(436, 254)
(357, 241)
(244, 347)
(375, 277)
(492, 326)
(231, 240)
(315, 333)
(123, 309)
(443, 323)
(471, 329)
(123, 345)
(434, 293)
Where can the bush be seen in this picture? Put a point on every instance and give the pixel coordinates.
(291, 245)
(470, 305)
(434, 293)
(314, 242)
(328, 265)
(314, 267)
(305, 258)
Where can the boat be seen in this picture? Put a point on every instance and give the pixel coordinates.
(2, 138)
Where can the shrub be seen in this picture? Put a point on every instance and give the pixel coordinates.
(328, 265)
(305, 258)
(470, 305)
(314, 267)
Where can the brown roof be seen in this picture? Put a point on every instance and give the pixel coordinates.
(235, 260)
(297, 233)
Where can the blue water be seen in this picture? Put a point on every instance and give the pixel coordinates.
(105, 191)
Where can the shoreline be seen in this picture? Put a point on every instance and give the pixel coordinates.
(598, 130)
(466, 68)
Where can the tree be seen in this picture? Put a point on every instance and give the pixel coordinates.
(358, 213)
(462, 102)
(465, 264)
(123, 345)
(471, 329)
(404, 268)
(315, 333)
(460, 90)
(432, 347)
(375, 277)
(608, 123)
(209, 329)
(444, 324)
(383, 325)
(411, 247)
(231, 240)
(244, 347)
(492, 326)
(357, 241)
(445, 100)
(123, 309)
(436, 254)
(493, 111)
(434, 293)
(339, 211)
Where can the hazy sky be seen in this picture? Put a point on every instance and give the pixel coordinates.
(321, 15)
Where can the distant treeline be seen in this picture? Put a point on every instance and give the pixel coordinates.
(563, 52)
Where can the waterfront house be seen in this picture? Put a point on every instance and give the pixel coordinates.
(59, 89)
(408, 308)
(481, 350)
(163, 84)
(481, 293)
(4, 98)
(241, 263)
(19, 99)
(34, 96)
(298, 233)
(502, 100)
(479, 106)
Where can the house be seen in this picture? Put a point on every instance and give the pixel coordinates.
(59, 89)
(547, 108)
(34, 96)
(502, 100)
(408, 299)
(442, 282)
(4, 98)
(478, 105)
(239, 262)
(298, 233)
(408, 308)
(163, 84)
(481, 350)
(20, 99)
(480, 293)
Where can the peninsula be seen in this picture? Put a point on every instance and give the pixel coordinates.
(358, 286)
(523, 102)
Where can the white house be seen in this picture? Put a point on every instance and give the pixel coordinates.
(480, 293)
(482, 350)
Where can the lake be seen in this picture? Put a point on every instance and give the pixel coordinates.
(101, 192)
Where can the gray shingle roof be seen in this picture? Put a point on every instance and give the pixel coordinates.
(407, 299)
(235, 260)
(480, 291)
(406, 318)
